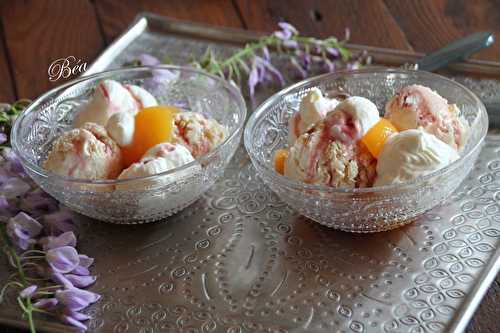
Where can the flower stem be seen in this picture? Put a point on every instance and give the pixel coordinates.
(28, 307)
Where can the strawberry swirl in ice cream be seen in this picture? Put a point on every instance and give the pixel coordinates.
(351, 146)
(124, 127)
(198, 133)
(330, 153)
(418, 106)
(313, 108)
(85, 153)
(112, 97)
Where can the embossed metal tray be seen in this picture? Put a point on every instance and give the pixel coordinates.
(239, 260)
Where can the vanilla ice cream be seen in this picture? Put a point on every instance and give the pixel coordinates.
(418, 106)
(362, 111)
(313, 108)
(112, 97)
(320, 156)
(197, 133)
(120, 127)
(142, 97)
(410, 154)
(158, 159)
(85, 153)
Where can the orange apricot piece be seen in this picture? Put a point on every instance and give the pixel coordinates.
(376, 136)
(279, 160)
(153, 125)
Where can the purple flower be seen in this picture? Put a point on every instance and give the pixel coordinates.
(61, 279)
(51, 242)
(3, 138)
(14, 187)
(76, 299)
(287, 31)
(59, 222)
(22, 229)
(63, 259)
(332, 51)
(80, 270)
(73, 322)
(28, 291)
(13, 163)
(39, 203)
(46, 303)
(76, 315)
(80, 281)
(148, 60)
(85, 261)
(253, 80)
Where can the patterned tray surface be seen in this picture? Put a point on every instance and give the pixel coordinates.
(239, 260)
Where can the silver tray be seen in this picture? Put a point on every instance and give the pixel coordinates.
(240, 260)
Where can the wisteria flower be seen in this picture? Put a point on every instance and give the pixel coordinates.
(22, 228)
(28, 291)
(85, 261)
(61, 279)
(39, 203)
(46, 303)
(13, 163)
(3, 138)
(73, 322)
(148, 60)
(80, 281)
(51, 242)
(63, 259)
(76, 299)
(14, 187)
(59, 222)
(286, 32)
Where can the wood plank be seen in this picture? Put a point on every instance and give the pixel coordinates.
(115, 16)
(369, 21)
(485, 319)
(39, 32)
(7, 88)
(431, 24)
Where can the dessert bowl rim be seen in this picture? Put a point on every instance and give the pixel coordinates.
(38, 102)
(315, 81)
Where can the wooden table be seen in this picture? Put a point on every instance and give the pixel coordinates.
(34, 33)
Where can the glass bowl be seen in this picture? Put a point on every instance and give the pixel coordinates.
(364, 209)
(143, 199)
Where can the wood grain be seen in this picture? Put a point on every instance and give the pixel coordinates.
(431, 24)
(115, 16)
(369, 21)
(485, 319)
(39, 32)
(7, 88)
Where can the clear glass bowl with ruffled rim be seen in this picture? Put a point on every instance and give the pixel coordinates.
(142, 199)
(362, 209)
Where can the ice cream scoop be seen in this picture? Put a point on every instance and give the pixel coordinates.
(361, 111)
(85, 153)
(410, 154)
(418, 106)
(176, 154)
(112, 97)
(313, 108)
(198, 133)
(331, 154)
(158, 159)
(142, 97)
(120, 127)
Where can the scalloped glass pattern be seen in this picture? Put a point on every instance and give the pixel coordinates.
(365, 210)
(52, 114)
